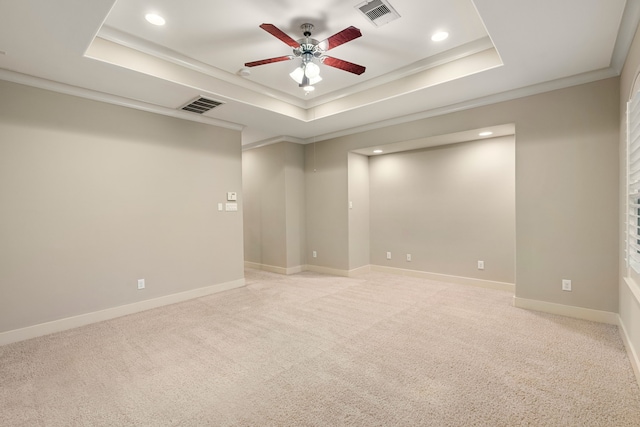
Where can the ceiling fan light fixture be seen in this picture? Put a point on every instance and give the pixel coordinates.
(305, 75)
(311, 70)
(314, 80)
(297, 75)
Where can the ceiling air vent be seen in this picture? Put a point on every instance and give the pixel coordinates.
(378, 12)
(201, 105)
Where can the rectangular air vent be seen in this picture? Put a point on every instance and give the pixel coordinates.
(378, 12)
(201, 105)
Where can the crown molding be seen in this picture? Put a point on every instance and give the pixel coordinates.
(66, 89)
(160, 52)
(628, 26)
(477, 102)
(270, 141)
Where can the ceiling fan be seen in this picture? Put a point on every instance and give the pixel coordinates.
(312, 51)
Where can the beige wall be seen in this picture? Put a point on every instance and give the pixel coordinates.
(629, 303)
(327, 204)
(295, 210)
(95, 196)
(566, 198)
(263, 188)
(274, 220)
(359, 210)
(447, 206)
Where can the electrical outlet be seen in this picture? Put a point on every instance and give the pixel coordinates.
(388, 255)
(566, 285)
(140, 283)
(408, 257)
(480, 265)
(314, 254)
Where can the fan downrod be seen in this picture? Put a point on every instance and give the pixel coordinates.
(306, 29)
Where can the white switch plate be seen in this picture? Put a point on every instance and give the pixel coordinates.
(314, 254)
(388, 255)
(140, 283)
(350, 204)
(231, 207)
(220, 206)
(408, 257)
(232, 196)
(480, 265)
(566, 285)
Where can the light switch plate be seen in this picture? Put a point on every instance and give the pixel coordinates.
(232, 196)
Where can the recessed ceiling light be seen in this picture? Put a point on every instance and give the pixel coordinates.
(439, 36)
(377, 151)
(487, 133)
(154, 19)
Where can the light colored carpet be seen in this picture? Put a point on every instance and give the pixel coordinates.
(315, 350)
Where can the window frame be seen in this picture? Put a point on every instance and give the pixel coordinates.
(633, 184)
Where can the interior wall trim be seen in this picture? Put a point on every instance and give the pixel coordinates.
(275, 269)
(327, 270)
(60, 325)
(360, 270)
(548, 86)
(567, 310)
(633, 354)
(633, 287)
(93, 95)
(489, 284)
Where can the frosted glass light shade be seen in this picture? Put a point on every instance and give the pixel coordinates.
(297, 75)
(311, 70)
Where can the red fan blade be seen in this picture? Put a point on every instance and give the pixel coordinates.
(268, 61)
(343, 65)
(342, 37)
(277, 32)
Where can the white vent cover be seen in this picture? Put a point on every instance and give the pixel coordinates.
(378, 12)
(201, 105)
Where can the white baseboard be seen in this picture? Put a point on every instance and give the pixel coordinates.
(275, 269)
(567, 310)
(59, 325)
(360, 270)
(489, 284)
(336, 272)
(327, 270)
(301, 268)
(633, 355)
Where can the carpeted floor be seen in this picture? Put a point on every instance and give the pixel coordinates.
(316, 350)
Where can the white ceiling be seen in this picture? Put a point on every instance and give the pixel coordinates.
(497, 49)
